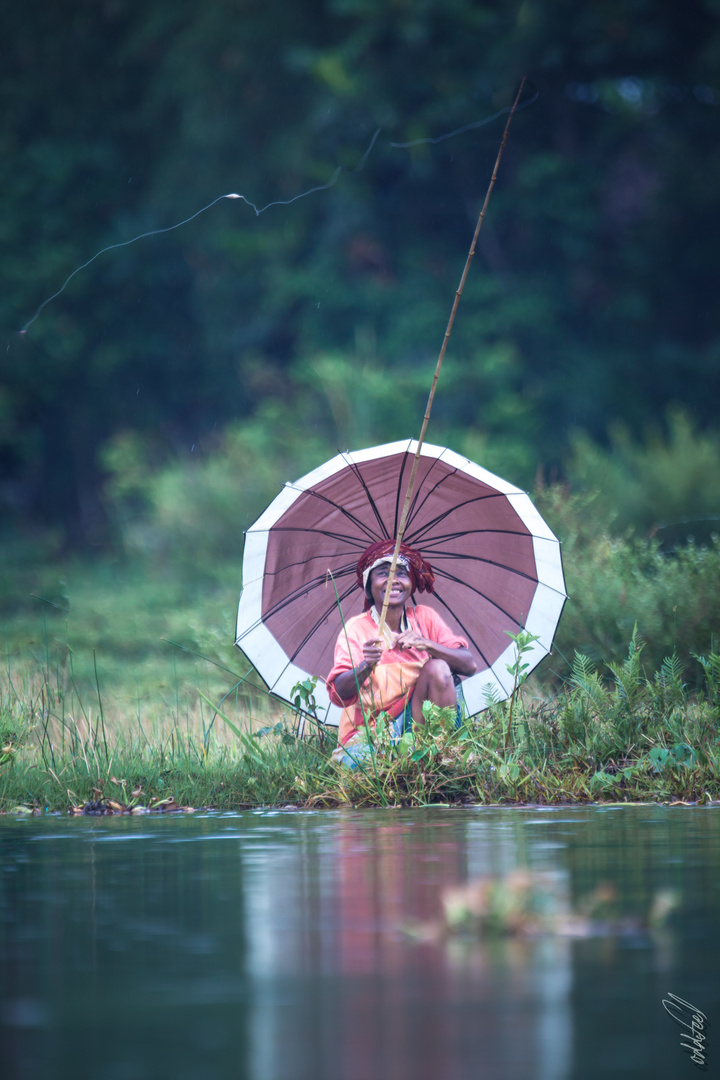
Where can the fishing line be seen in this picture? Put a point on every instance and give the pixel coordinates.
(169, 228)
(366, 155)
(277, 202)
(467, 127)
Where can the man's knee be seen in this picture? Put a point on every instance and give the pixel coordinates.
(438, 675)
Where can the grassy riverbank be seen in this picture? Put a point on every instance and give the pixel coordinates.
(631, 736)
(116, 667)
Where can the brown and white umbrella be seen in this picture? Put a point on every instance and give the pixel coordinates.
(497, 565)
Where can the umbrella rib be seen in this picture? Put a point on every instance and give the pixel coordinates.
(441, 572)
(508, 569)
(350, 541)
(342, 571)
(488, 562)
(431, 492)
(472, 532)
(359, 477)
(452, 510)
(418, 493)
(316, 624)
(440, 553)
(465, 630)
(449, 475)
(336, 506)
(301, 590)
(513, 619)
(277, 608)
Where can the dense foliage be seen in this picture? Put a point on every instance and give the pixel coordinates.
(591, 300)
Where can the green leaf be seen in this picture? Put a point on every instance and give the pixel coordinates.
(658, 758)
(404, 743)
(602, 780)
(684, 755)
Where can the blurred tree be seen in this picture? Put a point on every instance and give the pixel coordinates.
(591, 301)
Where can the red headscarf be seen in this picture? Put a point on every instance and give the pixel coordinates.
(422, 578)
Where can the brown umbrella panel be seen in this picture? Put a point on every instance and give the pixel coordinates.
(497, 565)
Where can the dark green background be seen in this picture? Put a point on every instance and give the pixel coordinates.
(592, 298)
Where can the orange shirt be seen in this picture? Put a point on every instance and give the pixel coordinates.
(391, 684)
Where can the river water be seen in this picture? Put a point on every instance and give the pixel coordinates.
(273, 945)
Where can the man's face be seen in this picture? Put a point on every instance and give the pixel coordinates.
(401, 586)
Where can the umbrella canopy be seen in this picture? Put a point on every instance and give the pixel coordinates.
(497, 565)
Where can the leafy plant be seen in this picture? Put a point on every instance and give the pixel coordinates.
(523, 642)
(618, 582)
(660, 757)
(305, 705)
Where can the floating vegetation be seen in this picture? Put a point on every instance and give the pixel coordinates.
(529, 904)
(105, 806)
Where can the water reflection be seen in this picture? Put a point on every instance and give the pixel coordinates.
(271, 945)
(381, 1006)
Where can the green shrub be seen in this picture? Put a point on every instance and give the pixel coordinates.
(616, 583)
(669, 485)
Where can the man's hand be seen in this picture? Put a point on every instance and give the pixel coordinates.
(372, 652)
(347, 682)
(410, 639)
(459, 660)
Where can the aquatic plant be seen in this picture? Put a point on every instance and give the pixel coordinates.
(535, 903)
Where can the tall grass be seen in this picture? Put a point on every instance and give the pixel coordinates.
(57, 753)
(630, 735)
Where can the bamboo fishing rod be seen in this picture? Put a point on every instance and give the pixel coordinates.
(438, 366)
